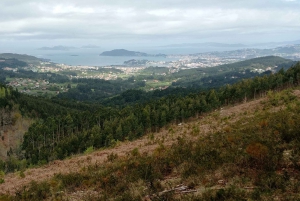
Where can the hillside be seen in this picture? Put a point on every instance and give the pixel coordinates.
(218, 171)
(215, 77)
(22, 57)
(167, 136)
(11, 63)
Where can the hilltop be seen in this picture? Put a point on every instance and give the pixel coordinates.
(23, 57)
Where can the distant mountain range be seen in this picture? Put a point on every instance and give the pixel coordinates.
(235, 45)
(59, 47)
(277, 44)
(126, 53)
(206, 45)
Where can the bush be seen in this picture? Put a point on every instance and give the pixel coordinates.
(1, 177)
(89, 150)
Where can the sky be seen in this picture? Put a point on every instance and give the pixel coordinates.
(136, 23)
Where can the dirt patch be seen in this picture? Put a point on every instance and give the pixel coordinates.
(249, 107)
(297, 93)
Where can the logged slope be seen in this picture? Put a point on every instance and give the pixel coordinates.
(202, 126)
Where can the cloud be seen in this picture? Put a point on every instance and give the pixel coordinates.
(61, 9)
(148, 20)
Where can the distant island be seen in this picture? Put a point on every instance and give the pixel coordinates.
(127, 53)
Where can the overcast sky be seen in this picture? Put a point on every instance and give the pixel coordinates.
(146, 22)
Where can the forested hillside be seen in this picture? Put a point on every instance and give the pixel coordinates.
(95, 90)
(64, 128)
(215, 77)
(11, 63)
(22, 57)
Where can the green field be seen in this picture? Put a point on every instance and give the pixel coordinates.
(153, 84)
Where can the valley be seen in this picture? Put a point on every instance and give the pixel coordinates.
(44, 78)
(150, 130)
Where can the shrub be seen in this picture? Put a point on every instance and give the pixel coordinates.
(89, 150)
(257, 151)
(1, 177)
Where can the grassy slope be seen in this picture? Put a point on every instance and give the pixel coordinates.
(247, 151)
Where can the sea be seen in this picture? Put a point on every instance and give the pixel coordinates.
(91, 56)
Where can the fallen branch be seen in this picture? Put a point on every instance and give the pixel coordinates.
(188, 191)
